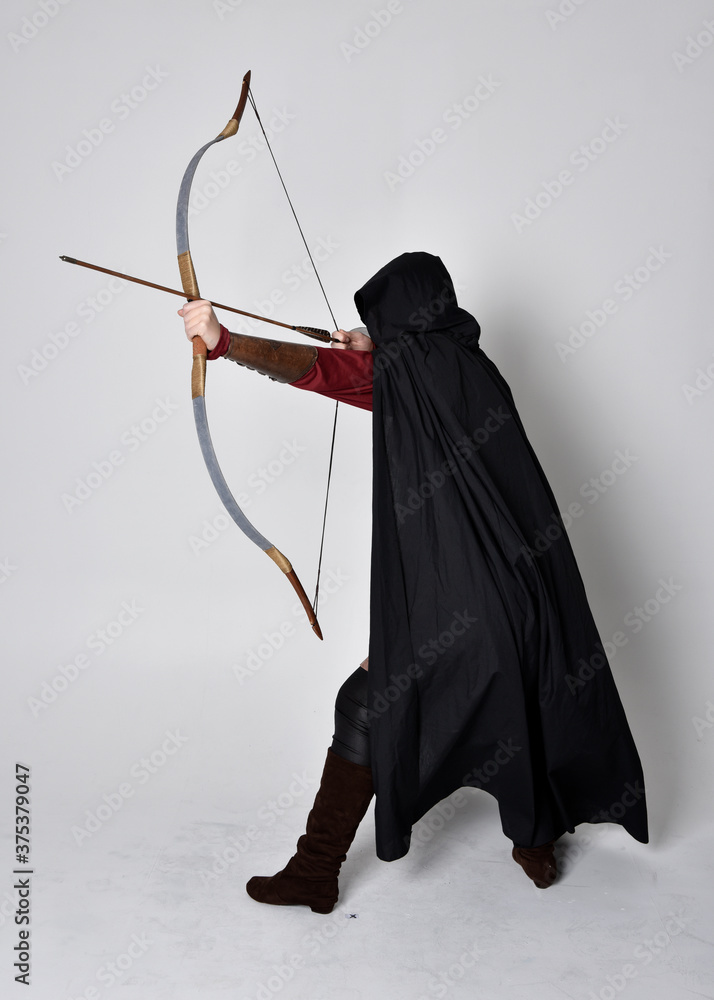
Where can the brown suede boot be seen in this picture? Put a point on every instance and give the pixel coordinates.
(538, 863)
(310, 876)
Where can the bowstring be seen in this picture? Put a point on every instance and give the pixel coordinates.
(332, 315)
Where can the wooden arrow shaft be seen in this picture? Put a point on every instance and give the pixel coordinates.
(313, 332)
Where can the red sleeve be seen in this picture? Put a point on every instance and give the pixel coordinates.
(224, 342)
(342, 375)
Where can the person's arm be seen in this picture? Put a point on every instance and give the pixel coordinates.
(341, 376)
(278, 359)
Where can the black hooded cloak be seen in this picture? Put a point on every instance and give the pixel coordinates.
(486, 668)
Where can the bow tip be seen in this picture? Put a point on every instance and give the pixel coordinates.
(316, 629)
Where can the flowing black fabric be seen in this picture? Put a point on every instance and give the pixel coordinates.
(486, 668)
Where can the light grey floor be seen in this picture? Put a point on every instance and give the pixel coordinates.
(153, 906)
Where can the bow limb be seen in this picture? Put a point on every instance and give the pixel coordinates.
(188, 275)
(189, 284)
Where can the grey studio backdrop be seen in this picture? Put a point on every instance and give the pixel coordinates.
(171, 703)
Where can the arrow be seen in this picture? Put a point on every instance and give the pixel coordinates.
(309, 331)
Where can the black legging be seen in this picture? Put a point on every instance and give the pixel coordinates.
(351, 737)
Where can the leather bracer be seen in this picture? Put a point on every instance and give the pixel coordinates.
(278, 359)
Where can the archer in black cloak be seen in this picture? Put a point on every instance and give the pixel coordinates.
(485, 664)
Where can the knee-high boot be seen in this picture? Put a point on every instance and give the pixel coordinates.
(310, 876)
